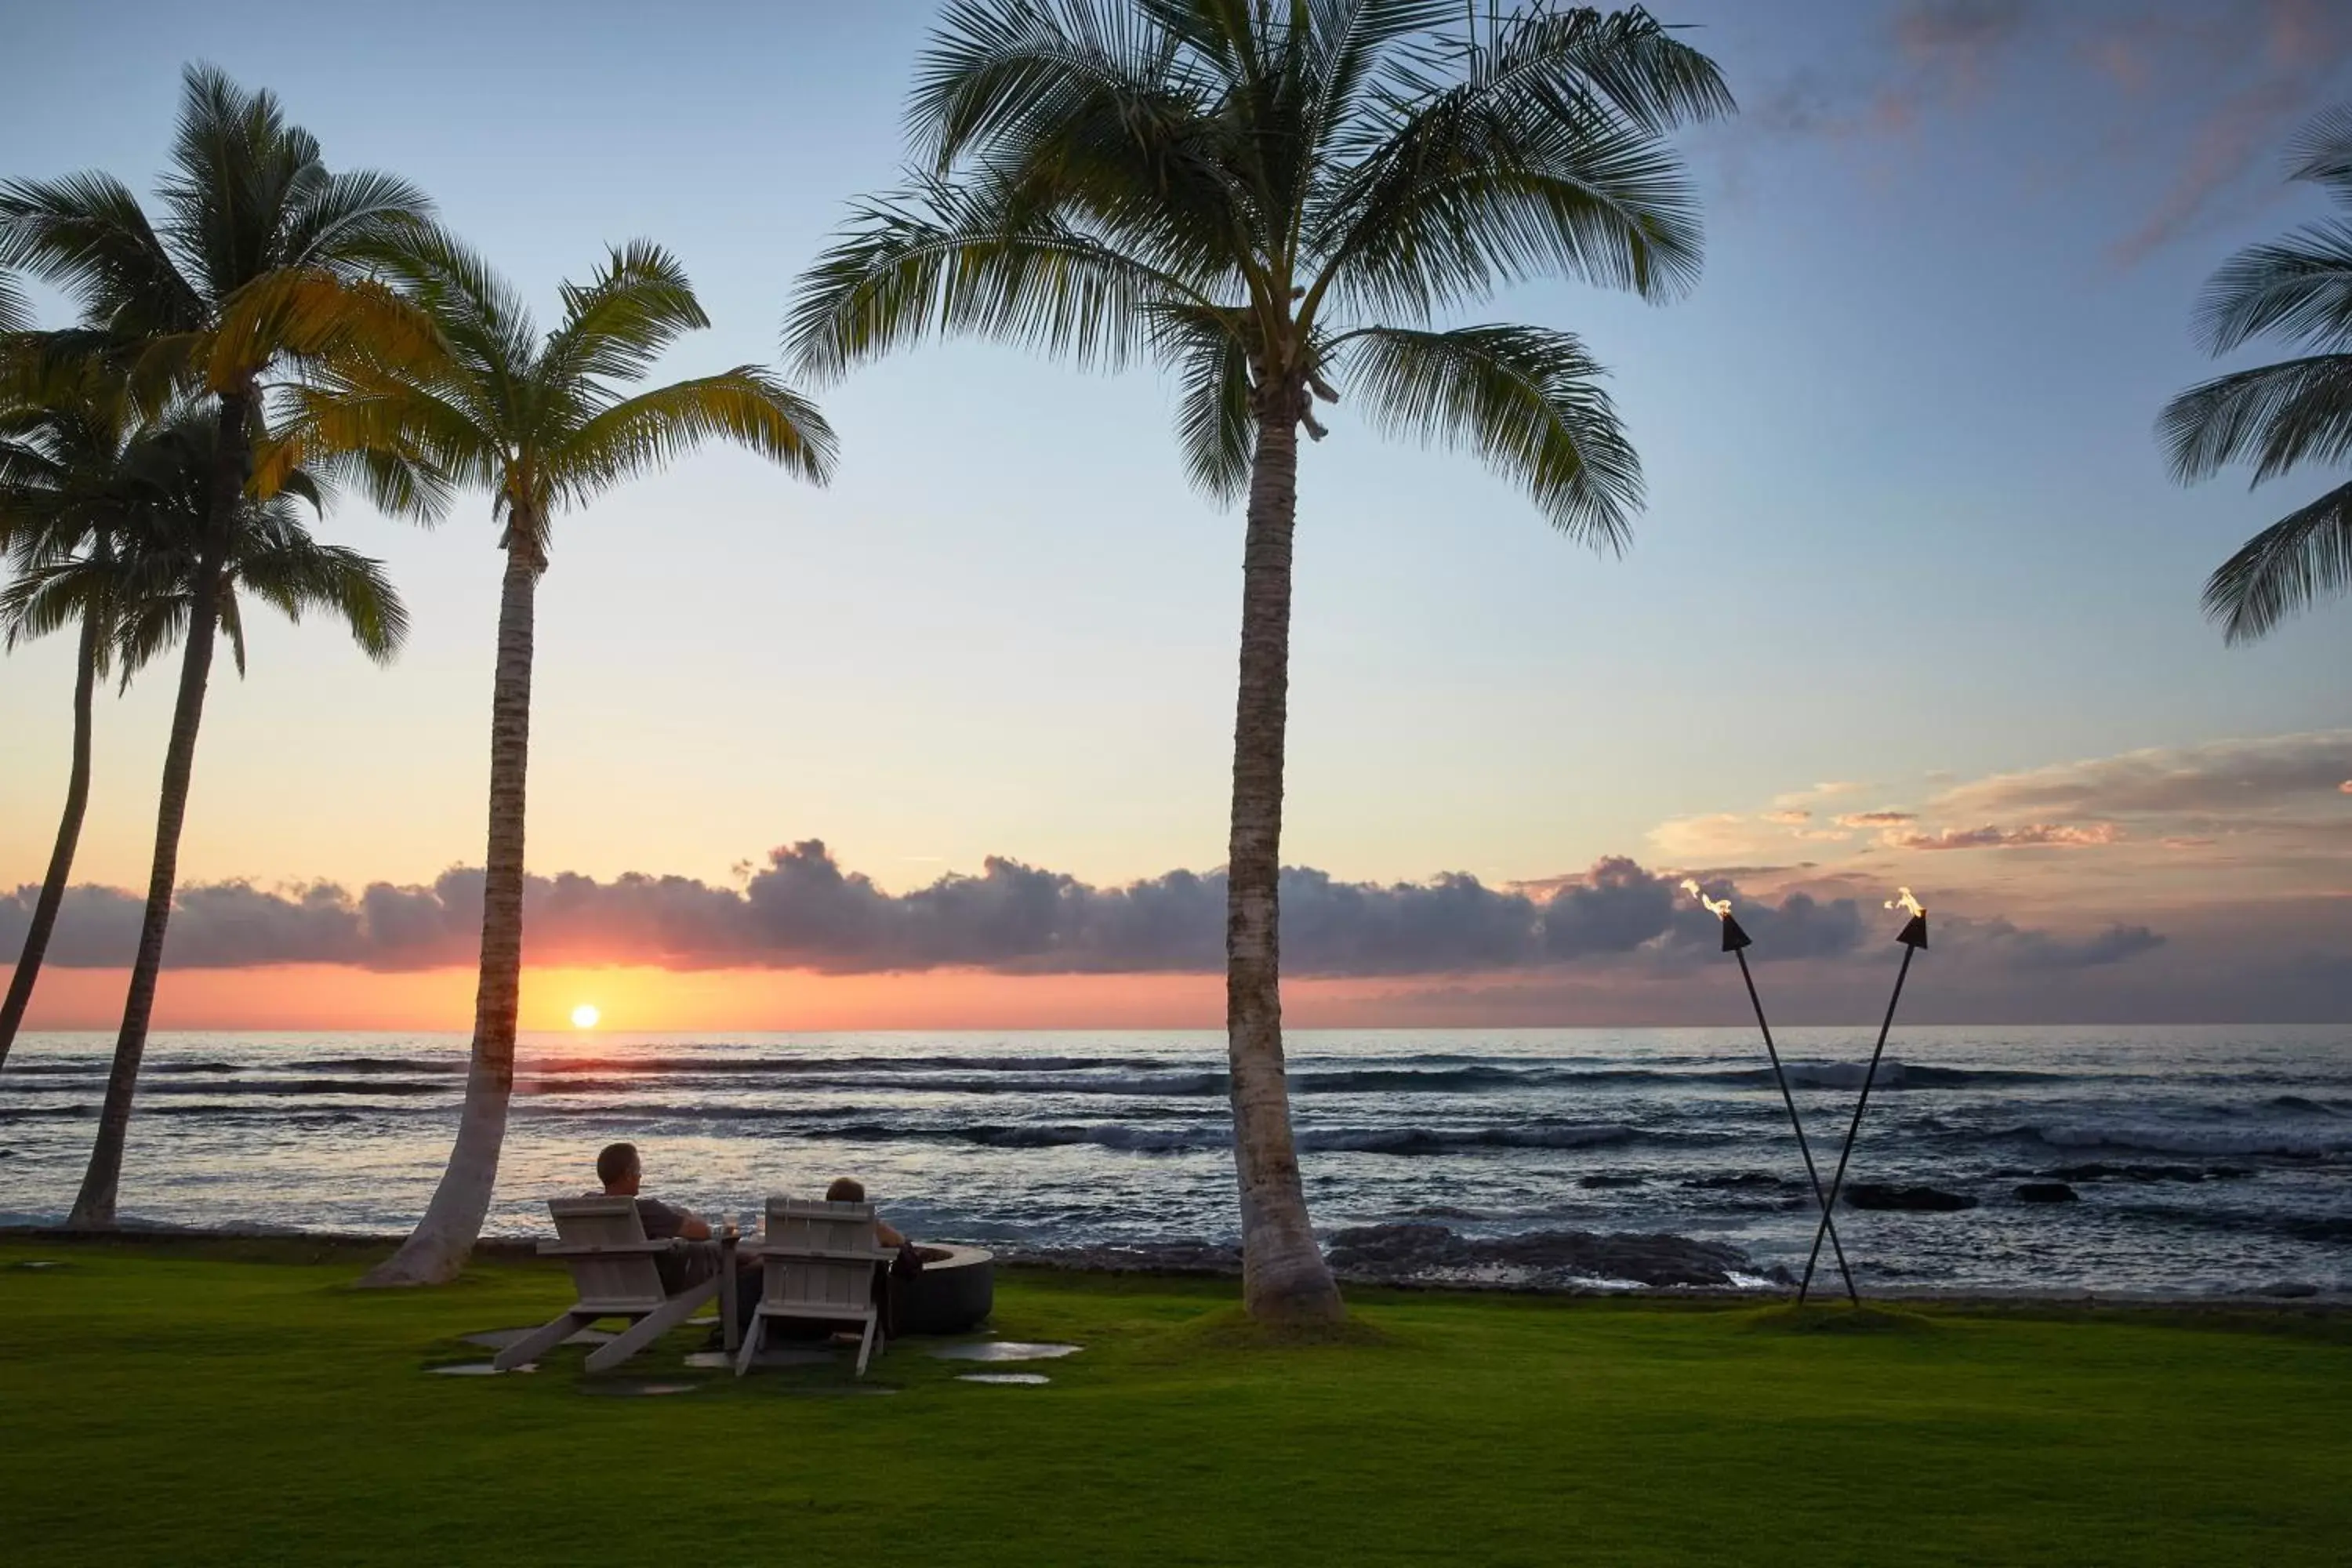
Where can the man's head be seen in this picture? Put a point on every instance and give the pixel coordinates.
(618, 1167)
(847, 1190)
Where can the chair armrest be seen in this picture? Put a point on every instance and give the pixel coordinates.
(604, 1249)
(818, 1254)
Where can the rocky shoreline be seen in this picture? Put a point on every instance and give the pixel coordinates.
(1417, 1255)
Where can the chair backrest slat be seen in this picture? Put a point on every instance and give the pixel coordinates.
(798, 1228)
(621, 1281)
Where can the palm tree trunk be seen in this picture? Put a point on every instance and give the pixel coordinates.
(1283, 1272)
(445, 1237)
(93, 1207)
(62, 858)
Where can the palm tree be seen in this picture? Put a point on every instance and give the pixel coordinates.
(2297, 289)
(1278, 201)
(70, 477)
(16, 315)
(542, 423)
(114, 546)
(259, 262)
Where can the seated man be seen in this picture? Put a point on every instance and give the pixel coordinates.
(622, 1172)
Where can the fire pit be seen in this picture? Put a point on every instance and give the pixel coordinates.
(953, 1295)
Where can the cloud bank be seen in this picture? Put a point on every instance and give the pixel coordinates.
(802, 910)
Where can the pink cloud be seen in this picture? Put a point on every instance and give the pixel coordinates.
(2032, 835)
(1792, 818)
(1877, 818)
(2302, 44)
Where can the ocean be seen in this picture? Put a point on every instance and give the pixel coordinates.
(2204, 1160)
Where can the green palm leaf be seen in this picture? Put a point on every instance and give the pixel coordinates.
(2297, 289)
(2305, 556)
(1526, 400)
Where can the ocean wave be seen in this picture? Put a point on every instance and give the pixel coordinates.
(292, 1088)
(891, 1066)
(1452, 1140)
(2161, 1140)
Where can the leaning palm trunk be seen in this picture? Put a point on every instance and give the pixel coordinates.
(93, 1207)
(62, 858)
(1283, 1272)
(445, 1237)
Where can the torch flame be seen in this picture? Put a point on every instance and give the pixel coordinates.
(1904, 901)
(1719, 907)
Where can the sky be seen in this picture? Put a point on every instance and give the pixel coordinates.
(1914, 601)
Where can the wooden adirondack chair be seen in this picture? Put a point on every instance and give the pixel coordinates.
(612, 1269)
(817, 1260)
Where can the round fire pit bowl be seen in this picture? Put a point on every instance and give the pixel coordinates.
(953, 1295)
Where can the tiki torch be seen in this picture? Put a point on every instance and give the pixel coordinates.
(1912, 936)
(1736, 942)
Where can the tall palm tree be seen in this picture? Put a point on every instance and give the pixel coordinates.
(72, 477)
(542, 424)
(115, 550)
(1277, 200)
(259, 263)
(2297, 289)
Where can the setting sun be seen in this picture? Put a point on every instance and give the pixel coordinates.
(584, 1016)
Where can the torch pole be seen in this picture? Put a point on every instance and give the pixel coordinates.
(1910, 946)
(1812, 1174)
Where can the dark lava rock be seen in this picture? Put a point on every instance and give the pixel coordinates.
(2289, 1289)
(1608, 1181)
(1392, 1254)
(1911, 1200)
(2048, 1192)
(1744, 1182)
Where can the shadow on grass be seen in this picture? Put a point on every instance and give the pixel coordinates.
(1840, 1317)
(1231, 1329)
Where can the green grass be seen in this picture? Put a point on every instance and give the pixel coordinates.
(238, 1404)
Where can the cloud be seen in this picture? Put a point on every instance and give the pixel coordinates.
(2292, 47)
(2233, 81)
(2222, 777)
(2032, 950)
(1876, 818)
(2033, 834)
(1793, 818)
(802, 910)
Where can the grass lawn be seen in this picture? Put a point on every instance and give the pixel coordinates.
(236, 1402)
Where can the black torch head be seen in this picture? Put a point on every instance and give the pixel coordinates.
(1734, 939)
(1915, 932)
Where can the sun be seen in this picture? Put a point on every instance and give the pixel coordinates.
(584, 1016)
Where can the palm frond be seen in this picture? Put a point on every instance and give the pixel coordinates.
(745, 406)
(2322, 151)
(2298, 289)
(1525, 399)
(312, 312)
(15, 310)
(2276, 416)
(2305, 556)
(1345, 39)
(615, 326)
(285, 568)
(946, 259)
(992, 67)
(87, 234)
(1216, 428)
(345, 221)
(1523, 169)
